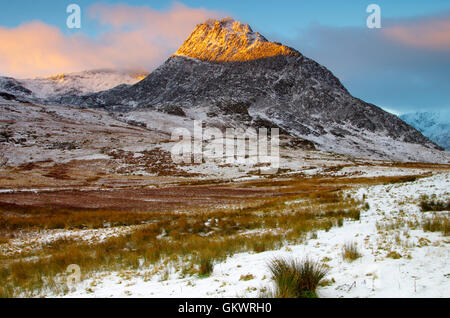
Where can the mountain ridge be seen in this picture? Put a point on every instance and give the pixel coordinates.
(434, 125)
(228, 40)
(46, 88)
(230, 83)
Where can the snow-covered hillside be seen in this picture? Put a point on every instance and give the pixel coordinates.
(80, 83)
(420, 269)
(434, 125)
(10, 88)
(229, 75)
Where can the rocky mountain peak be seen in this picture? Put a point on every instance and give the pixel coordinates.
(227, 75)
(228, 40)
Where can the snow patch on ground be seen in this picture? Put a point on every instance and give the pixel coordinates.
(35, 240)
(424, 273)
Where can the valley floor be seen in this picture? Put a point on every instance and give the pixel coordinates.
(99, 189)
(398, 259)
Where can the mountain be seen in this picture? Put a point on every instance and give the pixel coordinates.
(434, 125)
(230, 76)
(11, 89)
(43, 89)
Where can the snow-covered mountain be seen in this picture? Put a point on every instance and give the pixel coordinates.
(10, 89)
(434, 125)
(81, 83)
(228, 75)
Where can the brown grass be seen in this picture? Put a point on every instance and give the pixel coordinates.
(350, 252)
(433, 204)
(437, 224)
(198, 236)
(296, 279)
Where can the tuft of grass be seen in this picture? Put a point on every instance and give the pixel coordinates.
(206, 266)
(296, 279)
(394, 255)
(246, 277)
(431, 204)
(437, 224)
(327, 282)
(259, 247)
(350, 252)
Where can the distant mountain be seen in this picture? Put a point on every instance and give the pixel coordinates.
(47, 88)
(434, 125)
(11, 89)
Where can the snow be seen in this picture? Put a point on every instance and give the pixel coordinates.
(35, 240)
(360, 143)
(93, 157)
(435, 126)
(80, 83)
(425, 273)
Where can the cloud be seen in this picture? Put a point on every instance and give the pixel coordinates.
(432, 33)
(172, 25)
(400, 70)
(136, 38)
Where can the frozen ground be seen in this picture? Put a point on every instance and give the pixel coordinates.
(35, 240)
(422, 271)
(86, 144)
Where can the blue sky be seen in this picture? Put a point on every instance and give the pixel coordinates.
(269, 16)
(399, 74)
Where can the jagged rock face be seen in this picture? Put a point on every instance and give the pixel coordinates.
(227, 41)
(231, 76)
(11, 89)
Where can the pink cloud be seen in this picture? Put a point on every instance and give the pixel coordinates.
(429, 33)
(141, 38)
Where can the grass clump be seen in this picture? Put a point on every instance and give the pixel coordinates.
(206, 266)
(432, 204)
(296, 279)
(350, 252)
(247, 277)
(394, 255)
(437, 224)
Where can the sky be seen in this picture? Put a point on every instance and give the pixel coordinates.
(404, 66)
